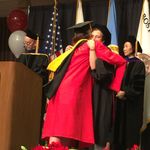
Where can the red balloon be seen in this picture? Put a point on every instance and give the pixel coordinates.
(17, 20)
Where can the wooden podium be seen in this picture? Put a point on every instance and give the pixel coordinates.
(20, 106)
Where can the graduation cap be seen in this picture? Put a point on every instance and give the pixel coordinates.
(135, 44)
(31, 34)
(105, 31)
(81, 27)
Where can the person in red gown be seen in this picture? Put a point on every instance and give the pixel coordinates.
(69, 113)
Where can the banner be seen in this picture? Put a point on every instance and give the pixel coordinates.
(143, 35)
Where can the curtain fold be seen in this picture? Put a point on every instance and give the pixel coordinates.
(5, 52)
(128, 15)
(96, 10)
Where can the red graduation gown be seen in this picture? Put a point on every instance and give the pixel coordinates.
(69, 113)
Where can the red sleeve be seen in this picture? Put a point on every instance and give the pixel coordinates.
(107, 55)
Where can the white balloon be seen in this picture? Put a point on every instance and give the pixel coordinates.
(16, 42)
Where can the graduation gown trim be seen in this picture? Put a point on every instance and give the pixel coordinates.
(53, 66)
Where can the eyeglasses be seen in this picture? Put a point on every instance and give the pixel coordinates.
(28, 42)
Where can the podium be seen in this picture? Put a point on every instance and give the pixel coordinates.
(20, 106)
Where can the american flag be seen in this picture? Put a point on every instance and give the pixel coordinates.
(53, 41)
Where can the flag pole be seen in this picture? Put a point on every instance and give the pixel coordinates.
(54, 28)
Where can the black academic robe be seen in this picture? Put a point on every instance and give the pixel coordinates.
(37, 63)
(102, 102)
(129, 112)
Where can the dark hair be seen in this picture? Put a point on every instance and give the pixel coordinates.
(134, 43)
(79, 36)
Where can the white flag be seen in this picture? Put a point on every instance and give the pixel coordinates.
(79, 12)
(143, 35)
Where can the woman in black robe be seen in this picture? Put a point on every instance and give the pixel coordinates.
(129, 101)
(102, 95)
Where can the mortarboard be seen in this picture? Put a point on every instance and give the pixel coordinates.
(81, 27)
(135, 44)
(30, 34)
(105, 31)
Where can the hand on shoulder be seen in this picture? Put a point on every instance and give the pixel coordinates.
(68, 47)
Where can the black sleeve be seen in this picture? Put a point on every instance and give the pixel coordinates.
(103, 73)
(136, 88)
